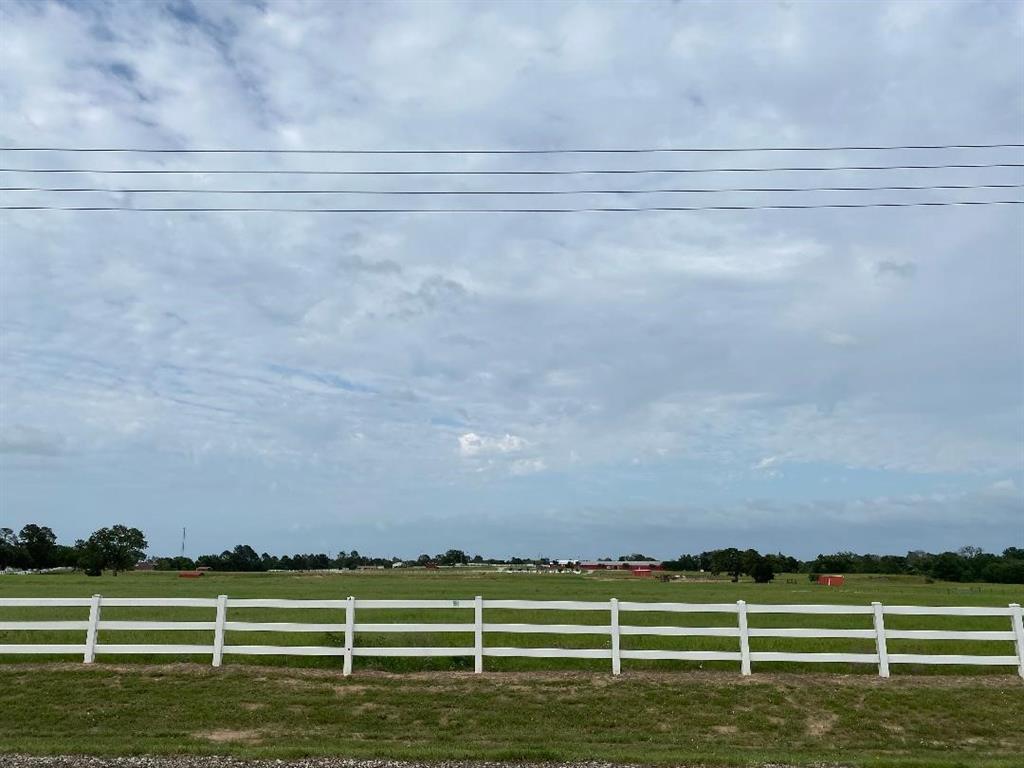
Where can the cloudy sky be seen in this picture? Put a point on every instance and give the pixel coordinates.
(557, 384)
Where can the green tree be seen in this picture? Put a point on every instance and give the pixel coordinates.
(452, 557)
(243, 558)
(179, 563)
(117, 548)
(1008, 571)
(39, 544)
(10, 551)
(762, 571)
(729, 560)
(90, 556)
(948, 566)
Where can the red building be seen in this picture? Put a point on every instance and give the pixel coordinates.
(622, 565)
(831, 581)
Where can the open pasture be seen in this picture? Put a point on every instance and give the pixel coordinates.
(657, 712)
(643, 718)
(464, 584)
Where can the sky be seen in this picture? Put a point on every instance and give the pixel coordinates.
(565, 385)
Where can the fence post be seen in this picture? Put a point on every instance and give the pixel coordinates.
(741, 608)
(93, 631)
(1018, 634)
(616, 641)
(478, 634)
(350, 626)
(883, 650)
(218, 630)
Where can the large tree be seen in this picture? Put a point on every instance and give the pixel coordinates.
(10, 549)
(117, 548)
(39, 543)
(762, 570)
(452, 557)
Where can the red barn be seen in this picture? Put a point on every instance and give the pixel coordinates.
(622, 565)
(831, 581)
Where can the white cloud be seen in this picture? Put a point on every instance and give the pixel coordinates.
(1005, 487)
(472, 444)
(28, 441)
(836, 339)
(273, 340)
(527, 466)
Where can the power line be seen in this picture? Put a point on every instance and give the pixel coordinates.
(604, 171)
(498, 192)
(569, 151)
(94, 208)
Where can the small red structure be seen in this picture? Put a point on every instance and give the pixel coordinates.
(189, 574)
(641, 571)
(831, 581)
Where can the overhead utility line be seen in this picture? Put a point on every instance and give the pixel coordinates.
(603, 171)
(499, 192)
(569, 151)
(93, 208)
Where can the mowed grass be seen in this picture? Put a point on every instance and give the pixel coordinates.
(466, 583)
(651, 718)
(542, 709)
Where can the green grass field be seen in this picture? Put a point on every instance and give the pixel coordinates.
(640, 718)
(467, 583)
(656, 712)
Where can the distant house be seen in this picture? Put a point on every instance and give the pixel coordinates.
(622, 565)
(145, 565)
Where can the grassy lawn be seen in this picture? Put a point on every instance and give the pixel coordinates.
(859, 590)
(557, 709)
(654, 718)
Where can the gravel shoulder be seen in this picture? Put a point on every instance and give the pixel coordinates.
(79, 761)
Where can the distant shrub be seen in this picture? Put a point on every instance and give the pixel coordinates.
(762, 572)
(1010, 571)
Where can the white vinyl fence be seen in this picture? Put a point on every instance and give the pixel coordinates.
(617, 612)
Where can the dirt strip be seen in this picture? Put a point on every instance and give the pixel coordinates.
(78, 761)
(709, 677)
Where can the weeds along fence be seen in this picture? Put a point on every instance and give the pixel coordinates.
(357, 620)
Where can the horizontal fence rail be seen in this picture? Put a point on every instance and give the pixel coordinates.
(344, 612)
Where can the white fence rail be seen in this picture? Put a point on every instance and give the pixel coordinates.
(347, 610)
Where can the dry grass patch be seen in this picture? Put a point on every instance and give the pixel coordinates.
(819, 725)
(230, 737)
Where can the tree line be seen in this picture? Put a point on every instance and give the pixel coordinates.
(116, 549)
(966, 564)
(244, 558)
(119, 548)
